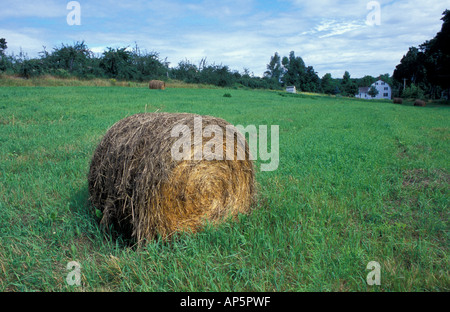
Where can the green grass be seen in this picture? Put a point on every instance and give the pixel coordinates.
(358, 182)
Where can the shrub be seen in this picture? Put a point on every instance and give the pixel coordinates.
(30, 68)
(413, 91)
(61, 73)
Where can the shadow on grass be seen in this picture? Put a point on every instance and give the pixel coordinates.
(88, 220)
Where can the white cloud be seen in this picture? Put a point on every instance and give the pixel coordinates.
(42, 8)
(338, 39)
(330, 35)
(221, 9)
(331, 8)
(328, 28)
(28, 40)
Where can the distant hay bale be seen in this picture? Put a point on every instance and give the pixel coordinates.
(420, 103)
(398, 101)
(143, 192)
(157, 84)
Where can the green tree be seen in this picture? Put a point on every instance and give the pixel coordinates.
(366, 81)
(437, 55)
(274, 69)
(117, 63)
(218, 75)
(412, 69)
(148, 65)
(349, 88)
(187, 72)
(73, 58)
(295, 71)
(373, 92)
(311, 81)
(327, 83)
(413, 92)
(30, 68)
(336, 90)
(428, 66)
(3, 47)
(386, 78)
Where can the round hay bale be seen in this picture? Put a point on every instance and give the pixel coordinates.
(398, 101)
(420, 103)
(143, 192)
(157, 84)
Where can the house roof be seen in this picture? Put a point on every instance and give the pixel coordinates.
(379, 80)
(363, 89)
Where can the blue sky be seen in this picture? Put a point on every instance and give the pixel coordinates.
(330, 35)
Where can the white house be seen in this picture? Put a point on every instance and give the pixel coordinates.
(384, 91)
(291, 89)
(363, 93)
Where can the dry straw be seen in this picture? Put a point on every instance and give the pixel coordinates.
(420, 103)
(157, 84)
(143, 192)
(398, 101)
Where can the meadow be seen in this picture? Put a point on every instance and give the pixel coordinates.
(358, 181)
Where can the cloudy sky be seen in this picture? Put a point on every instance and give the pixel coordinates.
(331, 35)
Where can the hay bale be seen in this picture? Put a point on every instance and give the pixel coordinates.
(398, 101)
(157, 84)
(143, 192)
(420, 103)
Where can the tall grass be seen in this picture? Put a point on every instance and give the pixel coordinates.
(358, 182)
(52, 81)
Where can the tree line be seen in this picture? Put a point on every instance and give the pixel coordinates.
(133, 64)
(125, 63)
(422, 72)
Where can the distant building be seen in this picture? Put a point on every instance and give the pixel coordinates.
(363, 93)
(384, 91)
(291, 89)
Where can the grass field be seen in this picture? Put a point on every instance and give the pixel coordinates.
(357, 182)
